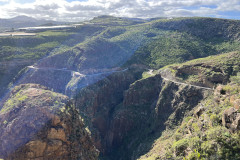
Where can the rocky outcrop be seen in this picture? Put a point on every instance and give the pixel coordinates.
(230, 116)
(143, 91)
(36, 123)
(179, 96)
(122, 109)
(208, 79)
(214, 122)
(235, 101)
(231, 119)
(161, 104)
(78, 82)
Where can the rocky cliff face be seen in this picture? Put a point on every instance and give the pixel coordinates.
(121, 113)
(98, 102)
(163, 111)
(36, 123)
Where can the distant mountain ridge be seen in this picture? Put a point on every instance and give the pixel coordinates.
(23, 21)
(22, 18)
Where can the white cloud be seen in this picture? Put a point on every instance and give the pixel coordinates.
(233, 5)
(63, 10)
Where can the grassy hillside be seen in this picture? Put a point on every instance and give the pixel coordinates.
(186, 39)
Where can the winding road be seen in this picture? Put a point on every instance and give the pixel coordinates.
(74, 73)
(187, 84)
(167, 79)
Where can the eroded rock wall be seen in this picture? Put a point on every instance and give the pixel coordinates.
(36, 123)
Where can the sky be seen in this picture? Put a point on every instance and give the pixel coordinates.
(80, 10)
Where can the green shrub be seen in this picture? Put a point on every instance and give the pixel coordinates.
(180, 146)
(235, 79)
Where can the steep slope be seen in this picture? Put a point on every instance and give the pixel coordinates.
(98, 102)
(19, 52)
(36, 123)
(211, 129)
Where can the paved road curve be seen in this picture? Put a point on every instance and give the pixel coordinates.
(187, 84)
(151, 73)
(74, 72)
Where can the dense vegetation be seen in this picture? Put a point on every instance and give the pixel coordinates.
(31, 47)
(44, 43)
(187, 39)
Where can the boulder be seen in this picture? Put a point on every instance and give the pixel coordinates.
(198, 112)
(231, 119)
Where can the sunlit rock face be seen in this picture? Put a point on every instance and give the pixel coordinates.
(37, 123)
